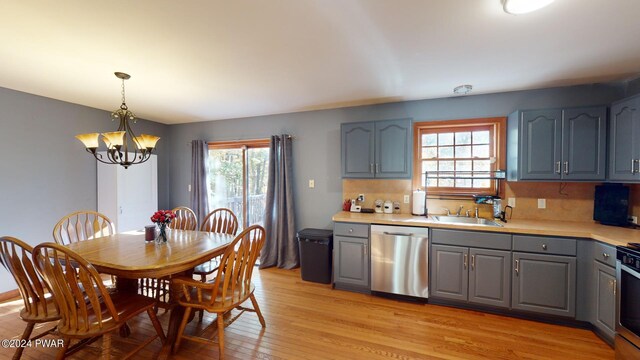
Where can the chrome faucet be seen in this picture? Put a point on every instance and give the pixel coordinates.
(447, 210)
(476, 215)
(459, 210)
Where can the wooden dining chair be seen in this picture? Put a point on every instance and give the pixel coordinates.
(82, 225)
(185, 219)
(87, 309)
(231, 287)
(39, 307)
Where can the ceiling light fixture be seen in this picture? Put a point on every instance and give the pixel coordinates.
(120, 142)
(517, 7)
(462, 89)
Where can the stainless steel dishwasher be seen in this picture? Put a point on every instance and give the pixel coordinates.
(400, 260)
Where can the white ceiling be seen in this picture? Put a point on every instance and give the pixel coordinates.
(207, 60)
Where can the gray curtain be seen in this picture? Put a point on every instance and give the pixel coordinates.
(199, 184)
(281, 246)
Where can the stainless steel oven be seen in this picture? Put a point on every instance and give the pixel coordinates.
(628, 300)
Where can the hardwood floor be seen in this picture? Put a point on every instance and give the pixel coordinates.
(312, 321)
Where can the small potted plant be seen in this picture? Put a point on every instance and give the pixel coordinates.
(162, 218)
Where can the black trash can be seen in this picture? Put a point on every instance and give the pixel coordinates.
(316, 250)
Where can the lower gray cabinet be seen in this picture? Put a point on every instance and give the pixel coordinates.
(351, 262)
(480, 276)
(605, 300)
(544, 284)
(489, 277)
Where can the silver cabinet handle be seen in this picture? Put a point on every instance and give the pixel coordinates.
(397, 234)
(544, 246)
(615, 287)
(633, 166)
(605, 255)
(377, 168)
(566, 167)
(364, 249)
(464, 261)
(473, 262)
(557, 167)
(350, 230)
(371, 168)
(637, 161)
(517, 269)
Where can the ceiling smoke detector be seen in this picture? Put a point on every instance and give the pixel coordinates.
(462, 89)
(517, 7)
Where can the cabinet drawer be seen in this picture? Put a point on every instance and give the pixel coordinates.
(351, 229)
(488, 240)
(604, 253)
(544, 245)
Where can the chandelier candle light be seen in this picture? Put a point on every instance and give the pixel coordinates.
(120, 142)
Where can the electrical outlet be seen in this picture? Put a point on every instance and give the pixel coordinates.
(189, 188)
(511, 202)
(542, 203)
(360, 197)
(312, 183)
(406, 199)
(633, 219)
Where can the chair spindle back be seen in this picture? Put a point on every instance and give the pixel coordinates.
(222, 221)
(82, 225)
(185, 219)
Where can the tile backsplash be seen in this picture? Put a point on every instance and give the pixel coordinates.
(564, 201)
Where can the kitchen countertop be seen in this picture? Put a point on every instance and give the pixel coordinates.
(611, 235)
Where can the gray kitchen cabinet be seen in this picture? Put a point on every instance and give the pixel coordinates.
(449, 273)
(377, 149)
(557, 144)
(358, 150)
(624, 135)
(351, 257)
(605, 300)
(544, 284)
(489, 277)
(480, 276)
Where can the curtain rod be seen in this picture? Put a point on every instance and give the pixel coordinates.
(287, 135)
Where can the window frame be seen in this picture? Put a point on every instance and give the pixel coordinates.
(497, 126)
(244, 145)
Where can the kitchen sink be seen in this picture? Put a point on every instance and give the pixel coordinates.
(460, 220)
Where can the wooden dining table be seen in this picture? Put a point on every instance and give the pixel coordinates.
(129, 257)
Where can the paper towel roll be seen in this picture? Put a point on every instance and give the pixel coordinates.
(418, 203)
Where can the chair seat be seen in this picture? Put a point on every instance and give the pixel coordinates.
(50, 315)
(240, 295)
(126, 305)
(207, 268)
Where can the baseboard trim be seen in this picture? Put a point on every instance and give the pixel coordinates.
(9, 295)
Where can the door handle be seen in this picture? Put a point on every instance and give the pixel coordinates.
(517, 269)
(473, 262)
(615, 287)
(633, 166)
(371, 168)
(464, 261)
(398, 234)
(377, 168)
(557, 167)
(566, 167)
(364, 249)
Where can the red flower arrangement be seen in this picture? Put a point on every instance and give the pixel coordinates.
(163, 217)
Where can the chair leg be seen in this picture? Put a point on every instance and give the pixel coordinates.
(221, 335)
(106, 347)
(257, 309)
(156, 325)
(183, 324)
(25, 336)
(63, 350)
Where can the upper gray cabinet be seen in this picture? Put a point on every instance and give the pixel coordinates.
(624, 134)
(557, 144)
(377, 149)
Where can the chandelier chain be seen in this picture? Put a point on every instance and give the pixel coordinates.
(124, 103)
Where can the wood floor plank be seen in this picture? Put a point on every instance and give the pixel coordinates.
(313, 321)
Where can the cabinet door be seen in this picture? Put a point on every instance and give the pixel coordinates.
(358, 150)
(605, 307)
(623, 136)
(583, 143)
(351, 261)
(544, 284)
(490, 277)
(393, 148)
(449, 272)
(541, 144)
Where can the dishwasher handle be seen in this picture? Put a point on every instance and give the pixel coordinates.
(398, 234)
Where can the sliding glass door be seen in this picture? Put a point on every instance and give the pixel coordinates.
(238, 173)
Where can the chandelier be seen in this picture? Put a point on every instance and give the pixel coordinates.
(123, 146)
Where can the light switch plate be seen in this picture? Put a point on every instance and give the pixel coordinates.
(542, 203)
(511, 202)
(406, 199)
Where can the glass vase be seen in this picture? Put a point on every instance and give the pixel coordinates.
(162, 234)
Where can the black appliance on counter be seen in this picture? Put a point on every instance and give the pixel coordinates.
(627, 341)
(611, 204)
